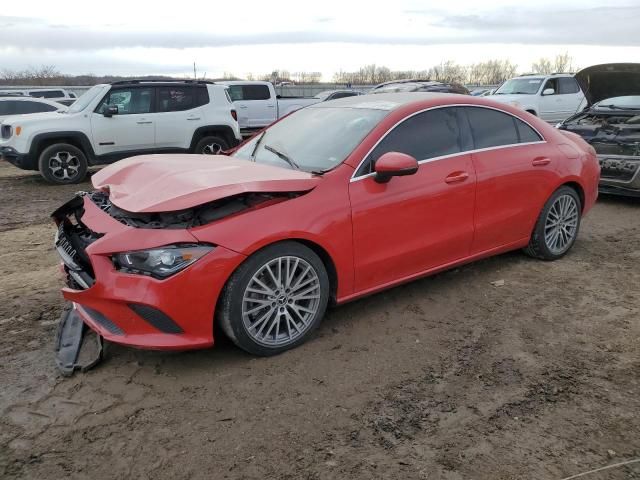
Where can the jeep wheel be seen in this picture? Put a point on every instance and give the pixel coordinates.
(211, 145)
(62, 163)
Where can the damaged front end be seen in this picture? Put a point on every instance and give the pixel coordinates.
(615, 136)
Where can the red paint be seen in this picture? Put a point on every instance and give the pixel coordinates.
(451, 211)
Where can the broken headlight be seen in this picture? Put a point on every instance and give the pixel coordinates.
(160, 262)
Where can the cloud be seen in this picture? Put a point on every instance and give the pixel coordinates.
(606, 26)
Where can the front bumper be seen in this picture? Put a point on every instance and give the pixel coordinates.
(619, 175)
(25, 161)
(176, 313)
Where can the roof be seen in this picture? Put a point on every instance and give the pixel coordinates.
(382, 101)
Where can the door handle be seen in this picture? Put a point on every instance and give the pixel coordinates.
(243, 106)
(271, 106)
(141, 122)
(193, 118)
(540, 161)
(456, 177)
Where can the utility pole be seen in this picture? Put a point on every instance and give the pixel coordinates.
(195, 77)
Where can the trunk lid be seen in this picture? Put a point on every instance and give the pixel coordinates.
(165, 183)
(609, 80)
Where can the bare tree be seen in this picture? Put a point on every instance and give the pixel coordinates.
(562, 63)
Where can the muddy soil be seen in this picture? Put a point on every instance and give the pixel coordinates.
(448, 377)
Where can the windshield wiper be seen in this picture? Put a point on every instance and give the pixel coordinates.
(255, 147)
(282, 156)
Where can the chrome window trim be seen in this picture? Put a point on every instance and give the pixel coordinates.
(420, 162)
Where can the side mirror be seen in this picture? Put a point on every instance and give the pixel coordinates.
(548, 91)
(110, 111)
(394, 164)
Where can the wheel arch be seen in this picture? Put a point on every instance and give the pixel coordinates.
(77, 139)
(225, 131)
(579, 190)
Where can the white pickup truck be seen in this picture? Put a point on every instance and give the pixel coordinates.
(259, 105)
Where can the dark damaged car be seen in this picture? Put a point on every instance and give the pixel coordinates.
(610, 123)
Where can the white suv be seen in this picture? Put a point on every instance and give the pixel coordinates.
(550, 97)
(113, 121)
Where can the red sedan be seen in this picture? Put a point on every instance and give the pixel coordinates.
(336, 201)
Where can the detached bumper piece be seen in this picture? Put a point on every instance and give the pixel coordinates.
(77, 346)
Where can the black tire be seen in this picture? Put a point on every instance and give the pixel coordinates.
(208, 145)
(538, 245)
(62, 164)
(230, 308)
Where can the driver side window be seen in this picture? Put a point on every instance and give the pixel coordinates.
(129, 101)
(426, 135)
(551, 83)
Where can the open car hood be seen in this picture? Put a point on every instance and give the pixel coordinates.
(609, 80)
(165, 183)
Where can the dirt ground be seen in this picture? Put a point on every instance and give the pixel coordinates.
(448, 377)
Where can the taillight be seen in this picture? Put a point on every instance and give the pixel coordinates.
(234, 114)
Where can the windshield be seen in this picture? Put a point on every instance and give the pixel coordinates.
(313, 139)
(397, 87)
(323, 95)
(85, 99)
(520, 86)
(631, 102)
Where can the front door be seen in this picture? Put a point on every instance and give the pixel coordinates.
(255, 106)
(418, 222)
(132, 128)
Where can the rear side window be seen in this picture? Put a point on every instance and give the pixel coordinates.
(249, 92)
(491, 128)
(526, 133)
(567, 85)
(7, 108)
(175, 99)
(202, 96)
(34, 107)
(426, 135)
(47, 94)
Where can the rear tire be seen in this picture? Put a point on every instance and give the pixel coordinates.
(275, 300)
(211, 145)
(557, 226)
(62, 164)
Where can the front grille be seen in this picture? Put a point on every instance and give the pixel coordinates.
(6, 131)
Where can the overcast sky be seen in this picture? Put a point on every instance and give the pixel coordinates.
(164, 37)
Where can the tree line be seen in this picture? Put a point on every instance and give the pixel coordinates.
(491, 72)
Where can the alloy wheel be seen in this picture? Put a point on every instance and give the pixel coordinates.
(212, 148)
(281, 301)
(64, 165)
(561, 224)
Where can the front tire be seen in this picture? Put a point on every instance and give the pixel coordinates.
(557, 226)
(211, 145)
(62, 164)
(275, 299)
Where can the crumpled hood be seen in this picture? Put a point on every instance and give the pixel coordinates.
(609, 80)
(164, 183)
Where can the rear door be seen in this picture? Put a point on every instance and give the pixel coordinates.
(417, 222)
(514, 169)
(132, 129)
(255, 104)
(179, 113)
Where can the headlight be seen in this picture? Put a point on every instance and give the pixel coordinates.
(160, 262)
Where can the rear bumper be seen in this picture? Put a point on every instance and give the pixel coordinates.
(620, 175)
(24, 161)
